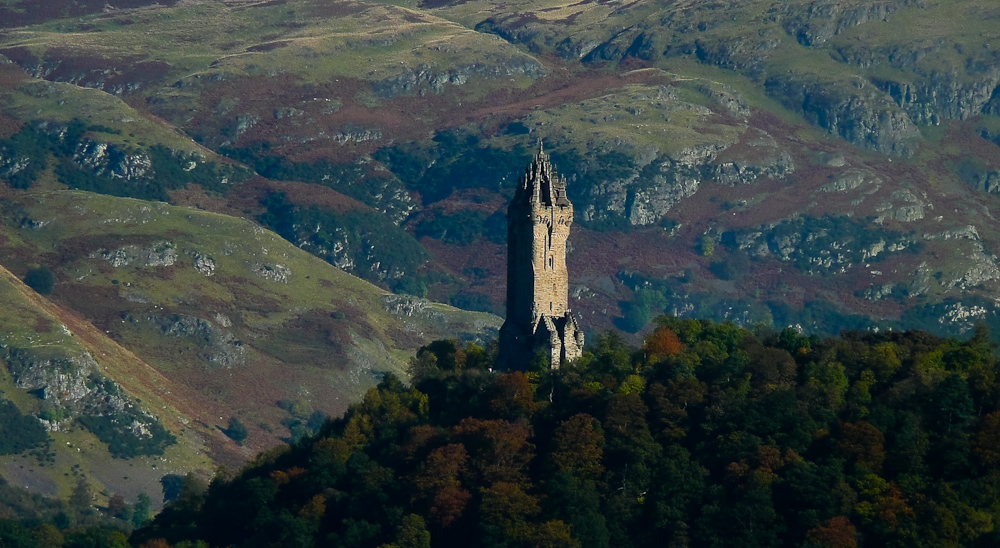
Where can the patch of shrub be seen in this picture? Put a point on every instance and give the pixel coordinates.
(477, 302)
(122, 442)
(644, 306)
(380, 251)
(236, 431)
(18, 432)
(453, 161)
(41, 279)
(169, 170)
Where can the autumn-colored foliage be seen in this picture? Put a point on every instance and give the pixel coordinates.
(986, 443)
(709, 436)
(837, 532)
(863, 444)
(663, 342)
(577, 447)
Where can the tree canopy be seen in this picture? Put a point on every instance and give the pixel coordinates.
(708, 435)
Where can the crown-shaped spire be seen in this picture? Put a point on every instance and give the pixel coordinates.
(540, 184)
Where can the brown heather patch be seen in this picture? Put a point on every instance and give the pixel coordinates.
(77, 248)
(42, 325)
(198, 197)
(306, 194)
(100, 305)
(11, 76)
(250, 301)
(8, 126)
(327, 10)
(246, 202)
(33, 12)
(270, 46)
(313, 338)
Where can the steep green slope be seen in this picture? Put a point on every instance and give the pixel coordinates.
(233, 320)
(96, 400)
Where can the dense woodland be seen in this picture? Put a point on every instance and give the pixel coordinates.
(708, 435)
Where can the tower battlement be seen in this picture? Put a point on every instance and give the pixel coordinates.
(538, 313)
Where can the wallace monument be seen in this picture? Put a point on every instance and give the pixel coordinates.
(539, 320)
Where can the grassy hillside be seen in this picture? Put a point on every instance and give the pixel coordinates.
(41, 338)
(232, 320)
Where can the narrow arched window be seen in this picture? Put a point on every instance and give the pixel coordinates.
(552, 262)
(550, 306)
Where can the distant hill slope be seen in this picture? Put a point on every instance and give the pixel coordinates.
(196, 317)
(822, 165)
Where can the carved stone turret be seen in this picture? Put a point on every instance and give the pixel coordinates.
(538, 314)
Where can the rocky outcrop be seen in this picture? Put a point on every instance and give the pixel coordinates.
(878, 292)
(819, 245)
(203, 264)
(158, 254)
(356, 135)
(903, 206)
(73, 388)
(272, 271)
(112, 161)
(218, 345)
(655, 186)
(405, 305)
(982, 267)
(852, 179)
(759, 156)
(817, 22)
(857, 112)
(12, 163)
(943, 96)
(964, 317)
(427, 78)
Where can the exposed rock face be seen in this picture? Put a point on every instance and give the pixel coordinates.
(158, 254)
(650, 191)
(983, 268)
(903, 206)
(878, 292)
(243, 124)
(966, 316)
(427, 78)
(356, 135)
(203, 264)
(859, 113)
(111, 161)
(852, 179)
(942, 96)
(12, 163)
(405, 305)
(76, 389)
(821, 20)
(273, 272)
(831, 244)
(760, 157)
(219, 346)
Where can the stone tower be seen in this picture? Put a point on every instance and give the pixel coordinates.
(538, 314)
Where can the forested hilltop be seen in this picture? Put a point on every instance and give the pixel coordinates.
(708, 435)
